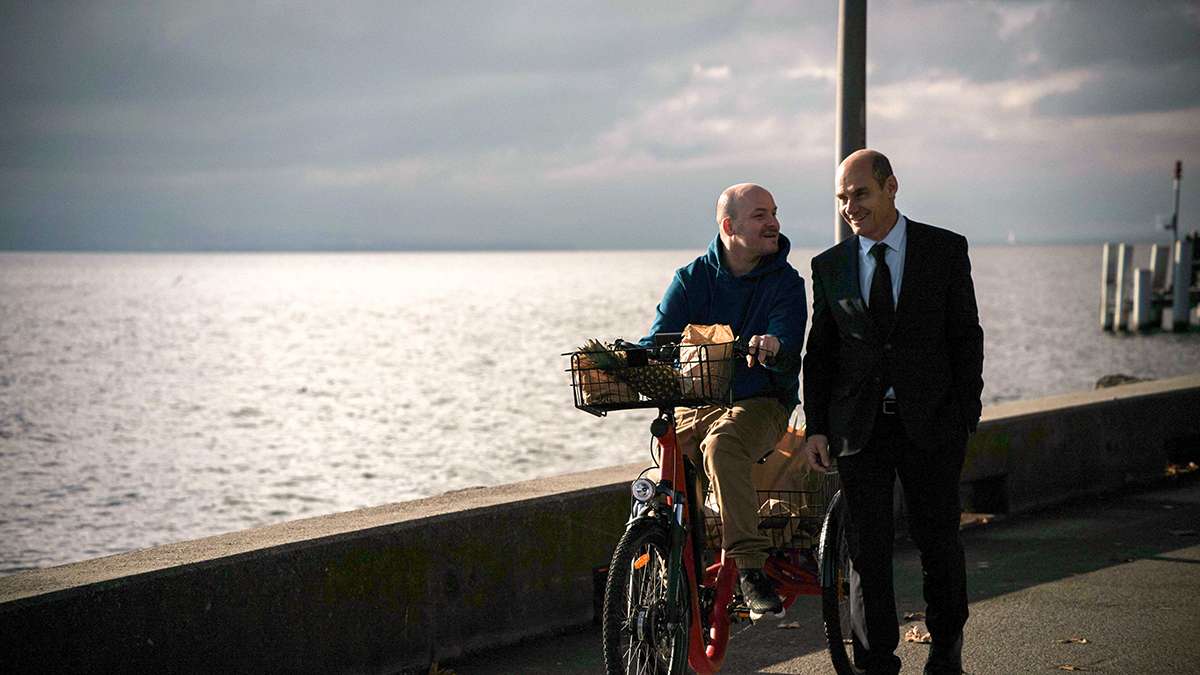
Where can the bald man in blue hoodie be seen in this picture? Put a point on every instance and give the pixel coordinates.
(744, 281)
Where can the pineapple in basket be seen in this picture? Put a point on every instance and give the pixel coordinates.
(653, 380)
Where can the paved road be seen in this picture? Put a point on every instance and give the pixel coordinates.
(1122, 573)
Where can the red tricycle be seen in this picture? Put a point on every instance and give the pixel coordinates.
(671, 593)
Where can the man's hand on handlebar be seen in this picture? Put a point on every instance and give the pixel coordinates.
(762, 349)
(816, 452)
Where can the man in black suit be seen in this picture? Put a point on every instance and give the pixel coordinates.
(892, 380)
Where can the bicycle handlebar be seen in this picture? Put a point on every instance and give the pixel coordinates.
(666, 348)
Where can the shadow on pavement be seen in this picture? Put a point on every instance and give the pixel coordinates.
(1003, 556)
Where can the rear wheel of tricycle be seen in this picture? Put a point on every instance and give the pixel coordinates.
(836, 569)
(643, 635)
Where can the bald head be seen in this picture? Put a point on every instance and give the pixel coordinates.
(747, 225)
(732, 198)
(872, 160)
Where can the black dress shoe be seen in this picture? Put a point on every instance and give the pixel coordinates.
(945, 657)
(888, 665)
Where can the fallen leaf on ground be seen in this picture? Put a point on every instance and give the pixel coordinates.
(1176, 469)
(969, 519)
(1072, 641)
(1069, 666)
(789, 624)
(918, 634)
(914, 616)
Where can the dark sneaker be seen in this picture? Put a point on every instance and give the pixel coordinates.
(759, 593)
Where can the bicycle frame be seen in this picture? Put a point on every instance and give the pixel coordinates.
(672, 484)
(791, 580)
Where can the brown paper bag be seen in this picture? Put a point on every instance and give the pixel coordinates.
(787, 471)
(785, 468)
(705, 367)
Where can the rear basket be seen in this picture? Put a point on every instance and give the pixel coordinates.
(790, 519)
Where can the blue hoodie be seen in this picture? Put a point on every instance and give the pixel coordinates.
(769, 300)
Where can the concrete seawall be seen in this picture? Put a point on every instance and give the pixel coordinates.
(1031, 454)
(395, 587)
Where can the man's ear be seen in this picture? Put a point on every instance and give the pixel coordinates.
(891, 186)
(727, 226)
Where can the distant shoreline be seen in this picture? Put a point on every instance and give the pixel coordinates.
(505, 249)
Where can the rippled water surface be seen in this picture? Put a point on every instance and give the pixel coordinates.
(153, 398)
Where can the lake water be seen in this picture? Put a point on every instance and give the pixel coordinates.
(150, 398)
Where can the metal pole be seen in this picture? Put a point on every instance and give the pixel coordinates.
(851, 90)
(1181, 293)
(1175, 215)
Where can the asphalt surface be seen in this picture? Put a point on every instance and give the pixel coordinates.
(1106, 585)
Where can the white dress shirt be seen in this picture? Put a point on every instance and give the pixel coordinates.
(895, 241)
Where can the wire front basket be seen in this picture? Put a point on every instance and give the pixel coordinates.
(790, 519)
(698, 375)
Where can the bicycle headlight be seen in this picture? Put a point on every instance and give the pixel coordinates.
(643, 489)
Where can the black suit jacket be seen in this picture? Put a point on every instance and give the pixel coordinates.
(933, 354)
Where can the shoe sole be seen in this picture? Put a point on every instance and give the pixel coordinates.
(756, 616)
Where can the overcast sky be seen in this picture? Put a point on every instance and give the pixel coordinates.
(559, 124)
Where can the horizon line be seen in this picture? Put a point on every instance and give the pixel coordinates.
(998, 242)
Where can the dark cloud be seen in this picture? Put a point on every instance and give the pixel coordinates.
(1143, 57)
(468, 116)
(1125, 90)
(183, 86)
(531, 124)
(1088, 33)
(1140, 56)
(286, 51)
(923, 38)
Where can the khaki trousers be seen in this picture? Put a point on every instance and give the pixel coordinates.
(732, 440)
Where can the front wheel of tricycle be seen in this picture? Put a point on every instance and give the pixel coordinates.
(836, 570)
(643, 635)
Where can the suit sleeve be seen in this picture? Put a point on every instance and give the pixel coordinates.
(671, 315)
(819, 360)
(965, 338)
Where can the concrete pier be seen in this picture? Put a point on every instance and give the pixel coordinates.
(400, 586)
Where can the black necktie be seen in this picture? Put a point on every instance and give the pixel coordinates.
(881, 308)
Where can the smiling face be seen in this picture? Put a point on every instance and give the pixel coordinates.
(753, 230)
(868, 206)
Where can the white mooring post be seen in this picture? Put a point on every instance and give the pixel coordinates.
(1160, 280)
(1181, 288)
(1108, 281)
(1160, 267)
(1143, 314)
(1121, 301)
